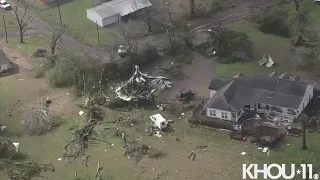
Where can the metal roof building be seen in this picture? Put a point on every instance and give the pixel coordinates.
(112, 11)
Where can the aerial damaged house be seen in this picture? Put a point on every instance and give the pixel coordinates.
(278, 94)
(112, 11)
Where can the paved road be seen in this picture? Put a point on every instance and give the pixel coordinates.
(65, 41)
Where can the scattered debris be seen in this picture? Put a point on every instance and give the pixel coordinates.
(81, 113)
(159, 121)
(294, 131)
(142, 86)
(266, 60)
(186, 96)
(122, 52)
(82, 137)
(39, 53)
(193, 155)
(243, 153)
(16, 145)
(59, 159)
(3, 127)
(20, 79)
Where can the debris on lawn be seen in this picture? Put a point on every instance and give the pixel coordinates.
(243, 153)
(15, 164)
(81, 113)
(142, 86)
(193, 155)
(39, 53)
(3, 127)
(237, 133)
(294, 131)
(136, 151)
(186, 96)
(266, 60)
(82, 137)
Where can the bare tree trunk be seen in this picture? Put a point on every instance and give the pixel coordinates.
(297, 3)
(304, 142)
(22, 24)
(149, 24)
(5, 26)
(57, 33)
(98, 33)
(192, 4)
(58, 1)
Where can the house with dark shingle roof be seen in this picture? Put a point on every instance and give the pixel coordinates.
(5, 65)
(282, 95)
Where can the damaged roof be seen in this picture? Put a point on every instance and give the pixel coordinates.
(234, 93)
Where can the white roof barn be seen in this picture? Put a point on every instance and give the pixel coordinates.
(112, 11)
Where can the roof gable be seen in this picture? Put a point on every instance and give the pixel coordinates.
(241, 91)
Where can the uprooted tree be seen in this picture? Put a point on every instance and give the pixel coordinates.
(16, 165)
(40, 121)
(57, 33)
(22, 20)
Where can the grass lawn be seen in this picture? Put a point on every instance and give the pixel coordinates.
(10, 22)
(74, 16)
(32, 43)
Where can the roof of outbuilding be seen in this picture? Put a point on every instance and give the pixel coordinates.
(241, 91)
(3, 58)
(122, 7)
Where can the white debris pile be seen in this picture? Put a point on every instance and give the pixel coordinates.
(266, 60)
(142, 86)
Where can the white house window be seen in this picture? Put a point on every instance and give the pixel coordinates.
(212, 113)
(224, 115)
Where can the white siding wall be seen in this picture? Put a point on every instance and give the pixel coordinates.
(94, 17)
(110, 20)
(212, 92)
(3, 67)
(218, 114)
(307, 97)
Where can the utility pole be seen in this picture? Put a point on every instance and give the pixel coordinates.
(59, 12)
(5, 26)
(98, 33)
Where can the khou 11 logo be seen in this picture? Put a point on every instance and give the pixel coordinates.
(251, 171)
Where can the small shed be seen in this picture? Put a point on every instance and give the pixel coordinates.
(112, 11)
(103, 15)
(5, 65)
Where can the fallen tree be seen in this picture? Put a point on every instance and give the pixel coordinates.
(40, 121)
(82, 137)
(16, 165)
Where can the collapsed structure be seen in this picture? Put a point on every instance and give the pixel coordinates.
(142, 86)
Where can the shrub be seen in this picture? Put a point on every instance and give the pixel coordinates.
(275, 23)
(63, 73)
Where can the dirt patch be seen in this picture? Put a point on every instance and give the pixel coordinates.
(198, 76)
